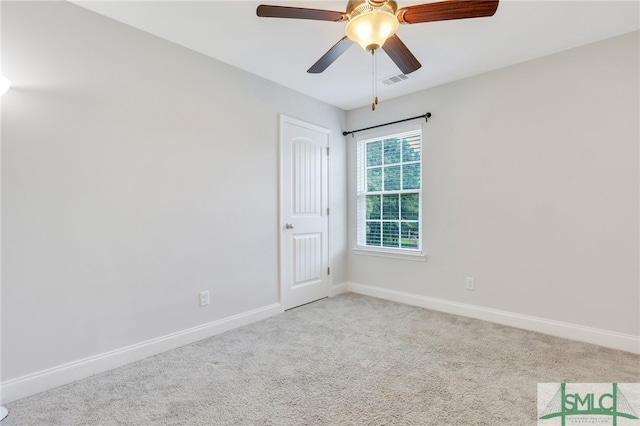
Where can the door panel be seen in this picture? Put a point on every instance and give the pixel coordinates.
(304, 254)
(307, 262)
(307, 183)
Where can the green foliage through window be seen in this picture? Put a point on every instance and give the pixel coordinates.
(392, 171)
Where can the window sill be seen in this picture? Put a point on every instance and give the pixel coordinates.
(393, 254)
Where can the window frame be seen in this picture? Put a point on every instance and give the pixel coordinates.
(416, 254)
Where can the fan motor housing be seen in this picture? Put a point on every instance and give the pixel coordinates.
(357, 7)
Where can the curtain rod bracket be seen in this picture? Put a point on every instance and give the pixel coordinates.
(353, 132)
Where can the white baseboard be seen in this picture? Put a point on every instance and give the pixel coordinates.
(57, 376)
(610, 339)
(335, 290)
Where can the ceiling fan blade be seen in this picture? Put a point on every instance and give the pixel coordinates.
(267, 11)
(401, 55)
(328, 58)
(446, 10)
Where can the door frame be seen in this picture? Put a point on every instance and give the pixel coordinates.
(280, 225)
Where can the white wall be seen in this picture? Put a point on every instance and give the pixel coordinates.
(531, 186)
(135, 173)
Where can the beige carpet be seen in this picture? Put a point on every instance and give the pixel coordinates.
(349, 360)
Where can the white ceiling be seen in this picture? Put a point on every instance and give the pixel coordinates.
(282, 50)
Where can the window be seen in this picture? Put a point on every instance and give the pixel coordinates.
(390, 193)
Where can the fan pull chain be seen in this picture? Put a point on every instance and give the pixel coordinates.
(375, 82)
(374, 79)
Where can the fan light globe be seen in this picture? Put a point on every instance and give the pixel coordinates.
(371, 29)
(4, 85)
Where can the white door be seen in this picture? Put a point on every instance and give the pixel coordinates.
(304, 215)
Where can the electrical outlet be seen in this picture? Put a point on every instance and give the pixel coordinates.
(470, 283)
(204, 298)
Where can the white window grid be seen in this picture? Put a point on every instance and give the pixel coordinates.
(415, 137)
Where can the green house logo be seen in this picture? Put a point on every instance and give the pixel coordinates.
(590, 404)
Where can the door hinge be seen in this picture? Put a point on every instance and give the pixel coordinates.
(327, 211)
(327, 150)
(328, 271)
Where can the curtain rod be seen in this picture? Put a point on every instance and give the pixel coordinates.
(353, 132)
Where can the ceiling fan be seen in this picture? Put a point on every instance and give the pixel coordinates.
(373, 24)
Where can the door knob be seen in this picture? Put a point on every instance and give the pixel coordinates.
(289, 226)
